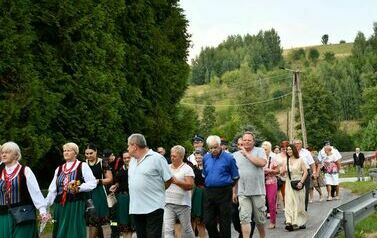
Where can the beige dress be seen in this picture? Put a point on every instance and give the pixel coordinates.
(295, 213)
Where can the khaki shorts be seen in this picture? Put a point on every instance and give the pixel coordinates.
(252, 205)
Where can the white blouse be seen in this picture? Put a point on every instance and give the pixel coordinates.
(89, 184)
(32, 186)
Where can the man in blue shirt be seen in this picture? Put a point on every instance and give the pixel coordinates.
(220, 173)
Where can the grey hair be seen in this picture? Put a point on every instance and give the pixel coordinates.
(213, 139)
(179, 149)
(297, 141)
(13, 147)
(72, 146)
(137, 139)
(267, 144)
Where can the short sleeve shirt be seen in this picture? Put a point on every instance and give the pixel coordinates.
(146, 181)
(175, 194)
(251, 177)
(307, 157)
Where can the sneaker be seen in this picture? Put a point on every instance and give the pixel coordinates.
(329, 198)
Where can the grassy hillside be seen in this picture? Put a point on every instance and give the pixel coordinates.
(221, 95)
(340, 50)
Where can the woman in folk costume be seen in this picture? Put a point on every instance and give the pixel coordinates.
(103, 175)
(123, 218)
(68, 192)
(18, 187)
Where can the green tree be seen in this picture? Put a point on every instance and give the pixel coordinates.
(320, 116)
(369, 108)
(313, 55)
(208, 121)
(87, 71)
(325, 39)
(297, 54)
(329, 57)
(369, 141)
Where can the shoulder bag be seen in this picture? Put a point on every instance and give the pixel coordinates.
(294, 183)
(23, 213)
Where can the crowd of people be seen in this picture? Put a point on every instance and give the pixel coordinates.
(185, 195)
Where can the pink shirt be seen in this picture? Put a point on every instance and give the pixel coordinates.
(271, 164)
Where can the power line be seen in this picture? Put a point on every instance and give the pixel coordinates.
(264, 80)
(248, 85)
(237, 105)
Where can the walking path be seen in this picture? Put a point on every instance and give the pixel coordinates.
(317, 210)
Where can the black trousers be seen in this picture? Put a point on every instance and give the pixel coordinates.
(149, 225)
(218, 209)
(307, 187)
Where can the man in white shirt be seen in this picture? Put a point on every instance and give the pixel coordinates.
(149, 175)
(310, 166)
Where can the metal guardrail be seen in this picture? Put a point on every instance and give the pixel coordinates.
(347, 215)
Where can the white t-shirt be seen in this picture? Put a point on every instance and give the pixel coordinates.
(307, 157)
(192, 159)
(175, 194)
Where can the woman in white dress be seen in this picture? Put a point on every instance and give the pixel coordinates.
(295, 170)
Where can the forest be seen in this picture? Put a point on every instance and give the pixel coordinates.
(89, 71)
(243, 84)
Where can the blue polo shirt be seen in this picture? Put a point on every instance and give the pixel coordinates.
(219, 171)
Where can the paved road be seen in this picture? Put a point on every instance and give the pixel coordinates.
(318, 211)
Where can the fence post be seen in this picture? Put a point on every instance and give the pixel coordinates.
(349, 224)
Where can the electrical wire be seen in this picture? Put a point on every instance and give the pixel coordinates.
(238, 105)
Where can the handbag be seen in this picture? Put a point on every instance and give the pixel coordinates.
(23, 213)
(90, 212)
(111, 200)
(294, 183)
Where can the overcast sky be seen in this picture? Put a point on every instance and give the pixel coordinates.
(298, 22)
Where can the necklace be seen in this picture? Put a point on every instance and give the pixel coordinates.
(67, 171)
(8, 177)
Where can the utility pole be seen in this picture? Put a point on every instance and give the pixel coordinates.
(293, 106)
(301, 107)
(296, 90)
